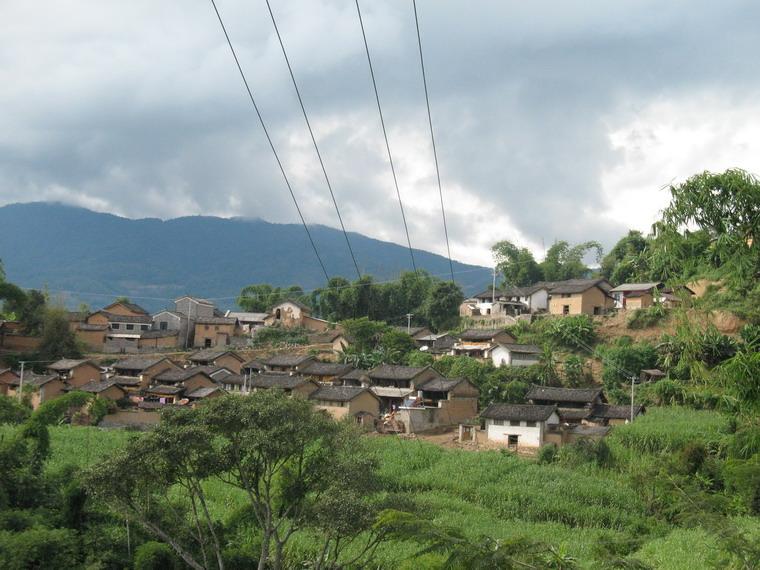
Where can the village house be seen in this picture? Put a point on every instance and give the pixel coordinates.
(155, 340)
(354, 377)
(8, 381)
(438, 402)
(194, 308)
(140, 372)
(225, 358)
(288, 362)
(248, 322)
(393, 384)
(214, 331)
(93, 336)
(75, 373)
(519, 425)
(340, 402)
(414, 332)
(231, 383)
(122, 331)
(204, 393)
(42, 387)
(107, 389)
(574, 405)
(436, 344)
(188, 379)
(325, 372)
(294, 314)
(173, 321)
(511, 301)
(479, 343)
(634, 296)
(335, 338)
(512, 354)
(580, 297)
(125, 308)
(253, 366)
(609, 415)
(292, 385)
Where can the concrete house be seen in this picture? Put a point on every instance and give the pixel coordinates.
(75, 373)
(288, 362)
(214, 331)
(347, 402)
(519, 425)
(511, 301)
(194, 308)
(225, 358)
(294, 314)
(141, 371)
(479, 343)
(580, 297)
(512, 354)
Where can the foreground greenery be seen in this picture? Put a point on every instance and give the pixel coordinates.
(679, 488)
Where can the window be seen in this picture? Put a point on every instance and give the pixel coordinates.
(566, 295)
(512, 440)
(163, 325)
(207, 343)
(115, 326)
(205, 327)
(597, 310)
(514, 423)
(530, 424)
(497, 422)
(144, 327)
(130, 327)
(277, 314)
(565, 309)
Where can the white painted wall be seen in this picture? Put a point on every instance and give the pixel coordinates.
(528, 436)
(502, 356)
(538, 300)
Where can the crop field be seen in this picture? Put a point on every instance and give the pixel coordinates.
(495, 493)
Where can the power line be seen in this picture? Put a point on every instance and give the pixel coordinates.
(385, 136)
(313, 139)
(269, 140)
(432, 137)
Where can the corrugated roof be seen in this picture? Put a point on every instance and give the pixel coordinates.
(635, 287)
(518, 412)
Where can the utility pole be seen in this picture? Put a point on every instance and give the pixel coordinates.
(493, 287)
(409, 323)
(21, 380)
(633, 383)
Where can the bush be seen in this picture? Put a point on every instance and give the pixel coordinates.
(38, 548)
(648, 317)
(156, 556)
(586, 451)
(280, 336)
(625, 358)
(12, 411)
(548, 453)
(576, 332)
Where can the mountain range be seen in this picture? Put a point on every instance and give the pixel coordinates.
(84, 256)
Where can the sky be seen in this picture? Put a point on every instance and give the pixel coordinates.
(553, 120)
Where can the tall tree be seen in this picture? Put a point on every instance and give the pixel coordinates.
(565, 261)
(517, 265)
(625, 262)
(58, 340)
(442, 305)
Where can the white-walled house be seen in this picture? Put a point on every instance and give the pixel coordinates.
(519, 425)
(512, 354)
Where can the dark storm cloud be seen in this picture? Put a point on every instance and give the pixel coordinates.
(137, 108)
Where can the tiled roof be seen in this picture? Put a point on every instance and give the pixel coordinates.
(317, 368)
(131, 306)
(553, 394)
(114, 318)
(125, 380)
(38, 379)
(173, 375)
(284, 381)
(396, 372)
(522, 348)
(165, 389)
(482, 334)
(573, 414)
(337, 393)
(440, 384)
(66, 364)
(216, 321)
(136, 363)
(572, 286)
(203, 392)
(210, 355)
(253, 365)
(518, 412)
(96, 387)
(288, 360)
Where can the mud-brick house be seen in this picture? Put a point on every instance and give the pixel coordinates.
(288, 362)
(168, 321)
(75, 373)
(574, 405)
(292, 385)
(125, 308)
(43, 388)
(519, 425)
(334, 338)
(214, 331)
(439, 402)
(325, 372)
(143, 370)
(107, 389)
(153, 341)
(8, 381)
(188, 379)
(580, 297)
(480, 343)
(194, 308)
(394, 384)
(93, 336)
(341, 402)
(222, 358)
(294, 314)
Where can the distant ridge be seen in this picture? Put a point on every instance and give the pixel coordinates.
(67, 248)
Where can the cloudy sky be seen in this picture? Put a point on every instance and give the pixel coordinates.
(554, 120)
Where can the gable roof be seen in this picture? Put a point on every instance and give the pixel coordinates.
(209, 355)
(98, 386)
(325, 336)
(288, 359)
(572, 286)
(224, 376)
(339, 393)
(137, 363)
(354, 374)
(247, 317)
(173, 375)
(203, 392)
(642, 287)
(298, 304)
(396, 372)
(68, 364)
(318, 368)
(129, 305)
(610, 412)
(518, 412)
(441, 384)
(39, 379)
(130, 319)
(553, 394)
(168, 389)
(482, 334)
(216, 321)
(284, 381)
(252, 364)
(195, 300)
(521, 348)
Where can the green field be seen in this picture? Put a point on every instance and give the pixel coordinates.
(497, 494)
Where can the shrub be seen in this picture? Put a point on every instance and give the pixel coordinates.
(576, 332)
(574, 372)
(648, 317)
(12, 411)
(750, 334)
(155, 556)
(280, 336)
(38, 548)
(625, 358)
(586, 451)
(548, 453)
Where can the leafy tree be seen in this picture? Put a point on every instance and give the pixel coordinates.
(517, 265)
(564, 261)
(441, 307)
(364, 333)
(155, 556)
(262, 297)
(12, 411)
(624, 359)
(58, 341)
(396, 345)
(576, 332)
(625, 262)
